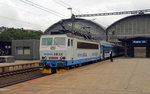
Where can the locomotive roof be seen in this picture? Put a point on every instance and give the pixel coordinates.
(73, 36)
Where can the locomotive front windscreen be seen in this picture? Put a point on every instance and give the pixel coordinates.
(47, 41)
(54, 41)
(59, 41)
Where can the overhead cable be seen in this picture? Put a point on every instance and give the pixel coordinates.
(43, 8)
(19, 20)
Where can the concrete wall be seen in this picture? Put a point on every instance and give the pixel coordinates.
(19, 49)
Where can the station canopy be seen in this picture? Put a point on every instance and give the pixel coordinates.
(129, 27)
(80, 26)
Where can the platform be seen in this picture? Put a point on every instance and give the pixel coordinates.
(19, 62)
(7, 59)
(18, 65)
(123, 76)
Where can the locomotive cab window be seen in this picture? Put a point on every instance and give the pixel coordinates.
(60, 41)
(47, 41)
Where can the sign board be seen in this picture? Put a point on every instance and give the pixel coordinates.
(139, 41)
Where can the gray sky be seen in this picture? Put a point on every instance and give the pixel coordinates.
(16, 13)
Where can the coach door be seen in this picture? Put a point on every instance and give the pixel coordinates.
(102, 52)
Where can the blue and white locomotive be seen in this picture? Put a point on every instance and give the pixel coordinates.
(65, 50)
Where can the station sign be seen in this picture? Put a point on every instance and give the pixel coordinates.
(139, 41)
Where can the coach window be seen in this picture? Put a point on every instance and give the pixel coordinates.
(71, 42)
(83, 45)
(68, 42)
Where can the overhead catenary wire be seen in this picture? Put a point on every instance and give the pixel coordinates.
(8, 18)
(40, 8)
(46, 8)
(21, 21)
(35, 14)
(43, 8)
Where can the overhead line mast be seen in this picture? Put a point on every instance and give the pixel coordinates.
(114, 13)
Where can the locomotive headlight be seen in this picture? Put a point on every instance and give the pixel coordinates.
(62, 58)
(45, 58)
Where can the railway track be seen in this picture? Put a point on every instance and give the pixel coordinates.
(14, 77)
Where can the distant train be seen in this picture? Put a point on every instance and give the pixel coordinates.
(105, 47)
(62, 51)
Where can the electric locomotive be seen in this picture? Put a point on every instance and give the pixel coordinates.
(60, 51)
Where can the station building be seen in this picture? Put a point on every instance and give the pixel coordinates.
(134, 33)
(26, 49)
